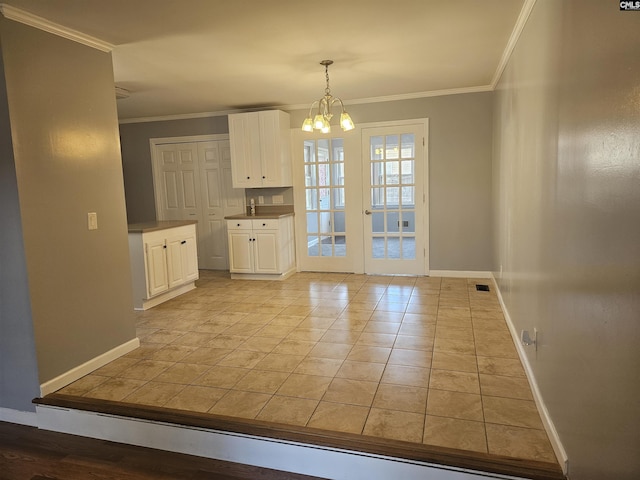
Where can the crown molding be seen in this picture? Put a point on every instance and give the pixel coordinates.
(388, 98)
(513, 39)
(13, 13)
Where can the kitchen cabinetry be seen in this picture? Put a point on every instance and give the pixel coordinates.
(261, 247)
(260, 149)
(164, 261)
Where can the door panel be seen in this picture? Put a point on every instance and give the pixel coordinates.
(180, 189)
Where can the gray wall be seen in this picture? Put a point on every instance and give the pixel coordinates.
(460, 146)
(67, 162)
(18, 364)
(567, 230)
(136, 157)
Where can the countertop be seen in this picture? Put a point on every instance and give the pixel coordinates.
(242, 216)
(152, 226)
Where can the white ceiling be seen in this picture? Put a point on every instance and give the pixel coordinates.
(181, 57)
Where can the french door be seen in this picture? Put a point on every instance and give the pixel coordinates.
(360, 200)
(394, 199)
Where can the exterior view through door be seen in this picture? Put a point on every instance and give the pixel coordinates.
(361, 200)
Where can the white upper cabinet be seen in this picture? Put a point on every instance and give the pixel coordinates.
(260, 149)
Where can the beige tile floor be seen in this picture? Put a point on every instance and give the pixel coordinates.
(420, 359)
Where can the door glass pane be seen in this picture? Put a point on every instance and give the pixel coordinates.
(378, 247)
(408, 196)
(310, 175)
(393, 222)
(393, 197)
(377, 148)
(377, 220)
(408, 221)
(339, 222)
(325, 222)
(377, 177)
(392, 173)
(392, 150)
(408, 145)
(408, 248)
(312, 223)
(313, 246)
(393, 247)
(340, 246)
(312, 199)
(325, 195)
(407, 175)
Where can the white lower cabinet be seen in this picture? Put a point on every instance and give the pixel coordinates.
(164, 261)
(263, 248)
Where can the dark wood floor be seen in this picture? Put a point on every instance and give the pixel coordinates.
(27, 453)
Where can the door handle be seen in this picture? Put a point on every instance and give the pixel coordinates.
(367, 212)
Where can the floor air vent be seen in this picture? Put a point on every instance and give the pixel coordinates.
(482, 288)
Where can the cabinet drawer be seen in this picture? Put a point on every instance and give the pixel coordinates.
(265, 224)
(238, 224)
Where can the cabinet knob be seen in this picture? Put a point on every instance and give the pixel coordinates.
(248, 178)
(264, 224)
(164, 246)
(238, 224)
(263, 177)
(183, 242)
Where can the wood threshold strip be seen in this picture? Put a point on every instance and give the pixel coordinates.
(450, 457)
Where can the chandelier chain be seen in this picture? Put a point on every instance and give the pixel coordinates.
(327, 90)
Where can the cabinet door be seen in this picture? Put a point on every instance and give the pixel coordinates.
(266, 251)
(244, 135)
(270, 149)
(175, 265)
(189, 252)
(156, 266)
(240, 251)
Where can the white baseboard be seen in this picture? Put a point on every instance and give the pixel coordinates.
(460, 273)
(288, 456)
(549, 427)
(17, 416)
(81, 370)
(163, 297)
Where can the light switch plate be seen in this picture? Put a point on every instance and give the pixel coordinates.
(92, 220)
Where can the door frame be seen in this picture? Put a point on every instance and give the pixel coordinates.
(355, 143)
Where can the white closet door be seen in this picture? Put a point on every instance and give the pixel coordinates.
(177, 181)
(218, 200)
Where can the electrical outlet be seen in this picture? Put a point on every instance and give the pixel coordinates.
(260, 200)
(277, 199)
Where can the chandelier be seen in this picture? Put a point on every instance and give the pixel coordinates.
(323, 114)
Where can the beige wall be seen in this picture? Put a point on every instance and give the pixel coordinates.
(460, 147)
(567, 230)
(67, 160)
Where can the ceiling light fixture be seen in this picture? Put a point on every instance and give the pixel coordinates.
(323, 116)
